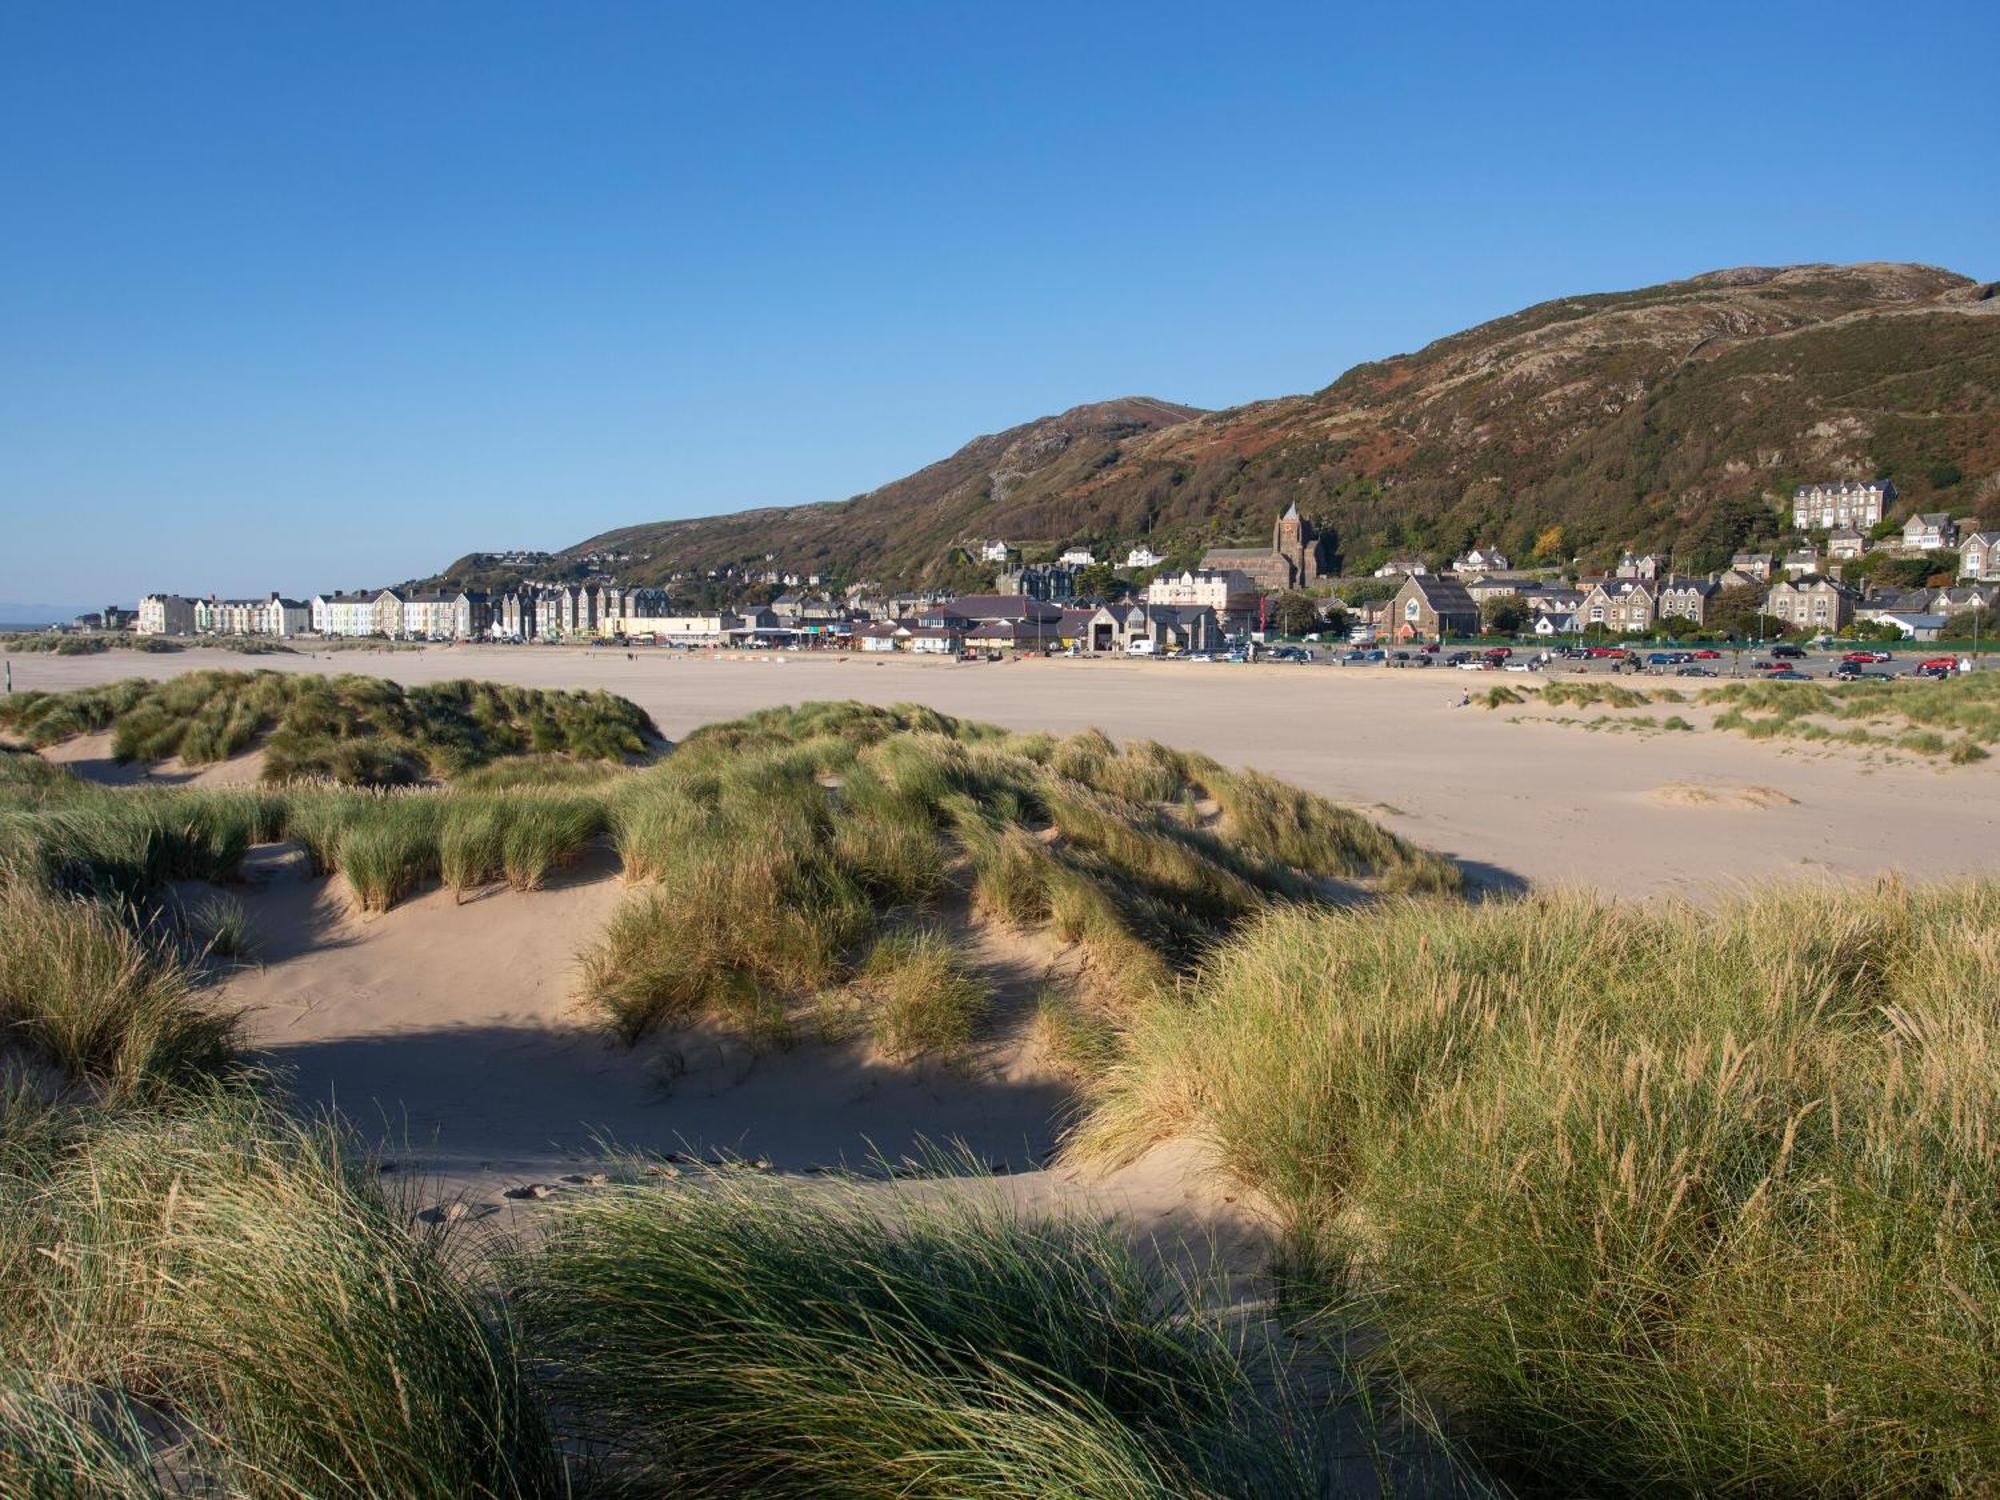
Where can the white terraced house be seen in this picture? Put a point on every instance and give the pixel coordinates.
(1822, 507)
(349, 615)
(283, 618)
(1225, 591)
(166, 614)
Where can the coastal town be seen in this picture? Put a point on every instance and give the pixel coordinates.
(1856, 571)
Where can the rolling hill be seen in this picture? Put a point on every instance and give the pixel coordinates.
(1674, 416)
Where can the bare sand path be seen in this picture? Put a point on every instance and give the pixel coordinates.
(1517, 800)
(448, 1030)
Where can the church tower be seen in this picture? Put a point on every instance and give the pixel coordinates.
(1292, 539)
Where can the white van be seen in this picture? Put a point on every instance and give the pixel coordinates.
(1140, 647)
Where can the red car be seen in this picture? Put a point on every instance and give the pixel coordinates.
(1707, 654)
(1938, 664)
(1607, 650)
(1866, 658)
(1499, 653)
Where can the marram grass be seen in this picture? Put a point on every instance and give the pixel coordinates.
(1648, 1201)
(741, 1336)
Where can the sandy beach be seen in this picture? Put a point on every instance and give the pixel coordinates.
(1515, 800)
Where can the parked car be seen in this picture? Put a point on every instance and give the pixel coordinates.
(1430, 650)
(1850, 671)
(1499, 653)
(1660, 659)
(1867, 658)
(1526, 664)
(1788, 675)
(1708, 653)
(1478, 664)
(1785, 651)
(1937, 666)
(1694, 672)
(1198, 656)
(1596, 652)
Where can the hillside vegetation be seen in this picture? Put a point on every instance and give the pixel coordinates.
(1672, 416)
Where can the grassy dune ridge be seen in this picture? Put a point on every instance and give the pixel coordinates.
(353, 729)
(1647, 1200)
(778, 846)
(1957, 718)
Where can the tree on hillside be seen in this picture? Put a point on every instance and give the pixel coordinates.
(1737, 612)
(1725, 532)
(1370, 590)
(1506, 615)
(1961, 624)
(1549, 546)
(1098, 581)
(1295, 614)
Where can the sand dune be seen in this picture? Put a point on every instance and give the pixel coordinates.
(90, 756)
(447, 1030)
(1688, 794)
(1515, 802)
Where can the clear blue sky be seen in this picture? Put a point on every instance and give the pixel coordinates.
(303, 296)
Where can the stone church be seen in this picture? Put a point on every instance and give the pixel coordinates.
(1297, 558)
